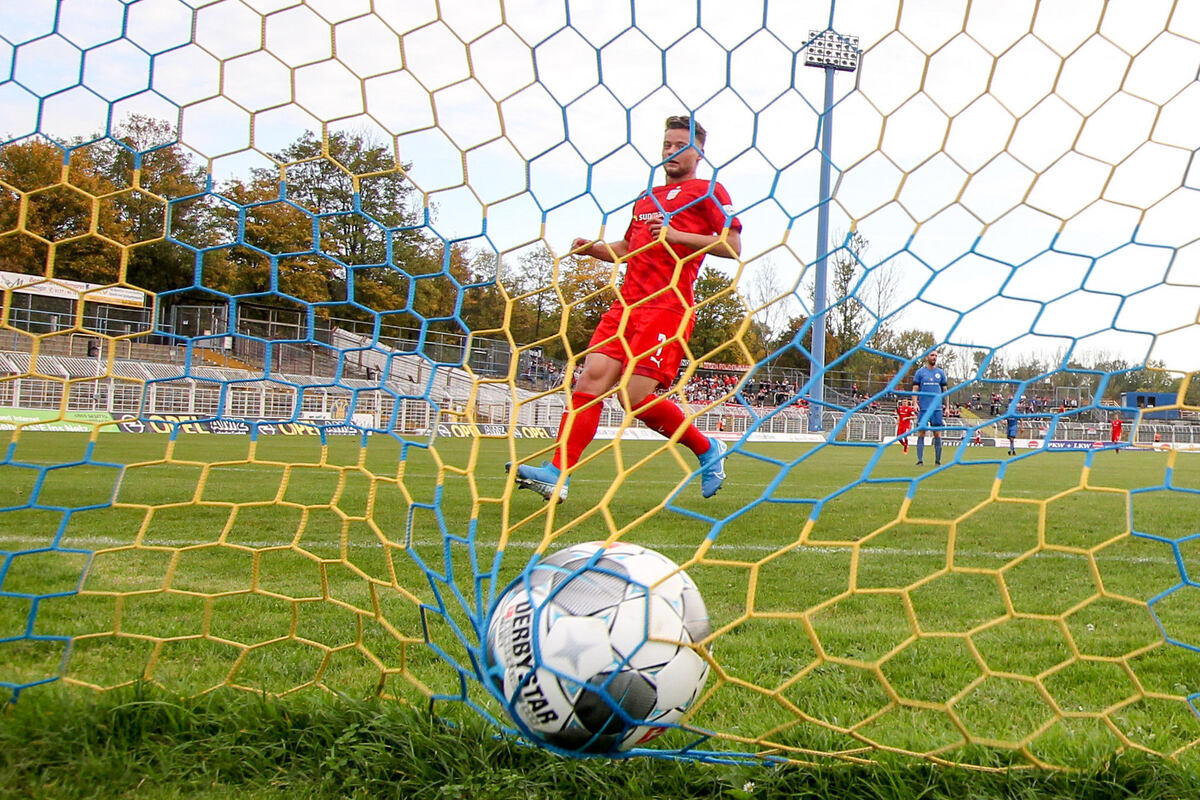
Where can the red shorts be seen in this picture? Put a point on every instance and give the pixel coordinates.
(903, 427)
(652, 338)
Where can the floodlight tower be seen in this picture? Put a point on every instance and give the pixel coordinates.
(832, 52)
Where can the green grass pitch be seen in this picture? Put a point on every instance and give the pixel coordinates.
(992, 611)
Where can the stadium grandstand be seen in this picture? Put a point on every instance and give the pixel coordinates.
(279, 364)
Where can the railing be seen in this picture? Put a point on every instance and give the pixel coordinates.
(401, 406)
(415, 395)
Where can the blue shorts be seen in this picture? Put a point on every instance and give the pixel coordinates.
(934, 419)
(1012, 429)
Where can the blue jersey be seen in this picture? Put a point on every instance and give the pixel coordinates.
(1012, 427)
(930, 382)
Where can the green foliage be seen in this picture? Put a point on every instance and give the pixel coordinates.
(558, 302)
(329, 249)
(721, 316)
(338, 224)
(334, 225)
(167, 174)
(334, 221)
(1092, 375)
(541, 307)
(59, 203)
(848, 316)
(859, 315)
(587, 288)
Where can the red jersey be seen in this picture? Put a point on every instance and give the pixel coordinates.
(905, 416)
(1117, 424)
(693, 206)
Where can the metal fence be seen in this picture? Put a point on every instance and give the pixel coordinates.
(408, 395)
(404, 404)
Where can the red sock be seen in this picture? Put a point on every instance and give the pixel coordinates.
(664, 417)
(577, 429)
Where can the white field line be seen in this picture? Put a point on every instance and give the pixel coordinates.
(892, 482)
(730, 550)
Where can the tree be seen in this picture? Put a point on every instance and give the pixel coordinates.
(862, 300)
(907, 345)
(860, 303)
(439, 295)
(536, 285)
(911, 344)
(846, 317)
(770, 303)
(332, 226)
(153, 178)
(1125, 377)
(791, 345)
(722, 322)
(59, 193)
(485, 308)
(587, 289)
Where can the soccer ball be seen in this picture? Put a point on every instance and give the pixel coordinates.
(591, 649)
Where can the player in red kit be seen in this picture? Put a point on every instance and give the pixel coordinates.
(674, 225)
(905, 412)
(1117, 425)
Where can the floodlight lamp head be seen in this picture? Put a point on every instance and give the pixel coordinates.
(831, 49)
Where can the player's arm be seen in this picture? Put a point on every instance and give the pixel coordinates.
(602, 251)
(727, 244)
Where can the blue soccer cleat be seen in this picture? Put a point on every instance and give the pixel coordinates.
(543, 480)
(712, 468)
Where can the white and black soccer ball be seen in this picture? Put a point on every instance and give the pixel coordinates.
(593, 649)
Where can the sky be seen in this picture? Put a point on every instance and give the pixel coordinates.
(1025, 171)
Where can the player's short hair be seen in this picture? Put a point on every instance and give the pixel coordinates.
(686, 123)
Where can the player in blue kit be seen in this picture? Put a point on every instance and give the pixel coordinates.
(929, 384)
(1012, 435)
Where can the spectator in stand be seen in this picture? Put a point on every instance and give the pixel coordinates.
(708, 389)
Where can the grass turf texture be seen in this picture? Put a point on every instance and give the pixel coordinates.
(264, 567)
(139, 744)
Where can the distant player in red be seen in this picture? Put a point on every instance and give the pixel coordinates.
(1117, 425)
(674, 225)
(905, 412)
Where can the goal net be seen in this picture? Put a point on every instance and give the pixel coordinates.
(287, 284)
